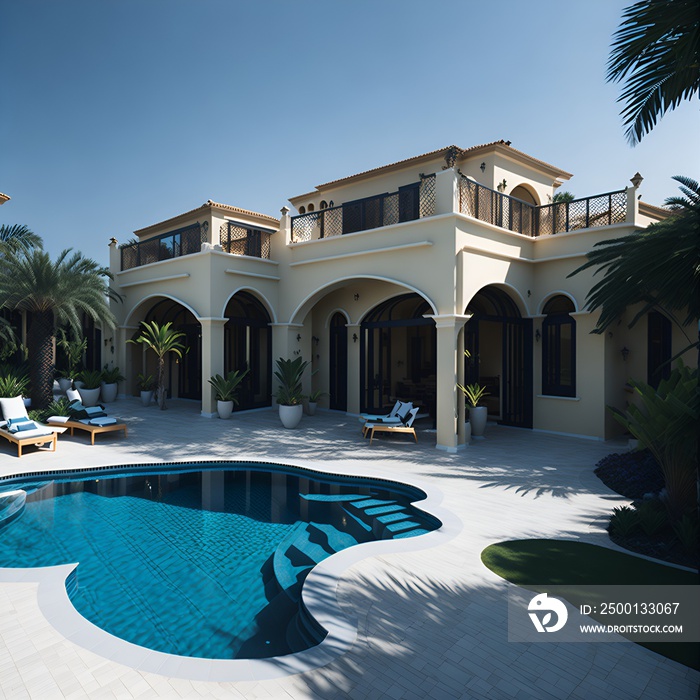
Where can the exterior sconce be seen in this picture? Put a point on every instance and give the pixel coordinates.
(636, 180)
(315, 339)
(107, 341)
(354, 337)
(625, 353)
(298, 337)
(356, 297)
(483, 167)
(501, 185)
(538, 335)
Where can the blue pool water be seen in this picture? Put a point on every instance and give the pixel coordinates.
(204, 562)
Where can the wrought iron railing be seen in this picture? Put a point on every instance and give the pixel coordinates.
(407, 204)
(240, 239)
(174, 244)
(511, 213)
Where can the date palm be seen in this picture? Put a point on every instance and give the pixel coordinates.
(656, 55)
(53, 293)
(658, 267)
(161, 340)
(18, 236)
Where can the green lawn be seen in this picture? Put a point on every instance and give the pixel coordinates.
(537, 564)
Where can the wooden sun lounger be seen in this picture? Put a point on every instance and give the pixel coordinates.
(22, 442)
(92, 429)
(373, 428)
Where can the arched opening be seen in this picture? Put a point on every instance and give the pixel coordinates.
(559, 347)
(338, 365)
(398, 358)
(523, 193)
(183, 376)
(248, 345)
(499, 342)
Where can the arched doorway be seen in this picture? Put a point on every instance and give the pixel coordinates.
(398, 358)
(183, 375)
(338, 365)
(499, 341)
(248, 345)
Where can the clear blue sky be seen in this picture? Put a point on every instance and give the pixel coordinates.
(119, 114)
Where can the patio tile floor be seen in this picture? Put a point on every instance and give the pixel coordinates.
(431, 622)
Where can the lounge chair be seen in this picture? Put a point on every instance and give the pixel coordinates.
(20, 430)
(397, 415)
(92, 420)
(405, 427)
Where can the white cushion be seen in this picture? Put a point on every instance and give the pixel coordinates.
(73, 395)
(57, 419)
(13, 408)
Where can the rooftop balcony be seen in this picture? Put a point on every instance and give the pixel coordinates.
(417, 201)
(234, 237)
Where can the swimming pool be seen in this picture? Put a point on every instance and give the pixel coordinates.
(202, 560)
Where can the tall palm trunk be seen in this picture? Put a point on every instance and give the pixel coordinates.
(40, 346)
(161, 383)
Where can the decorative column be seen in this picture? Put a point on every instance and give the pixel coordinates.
(446, 191)
(448, 327)
(212, 360)
(354, 384)
(284, 345)
(632, 201)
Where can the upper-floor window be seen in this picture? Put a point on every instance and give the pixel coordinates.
(559, 348)
(382, 210)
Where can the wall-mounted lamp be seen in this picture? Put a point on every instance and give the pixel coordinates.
(354, 337)
(501, 185)
(356, 296)
(636, 180)
(107, 341)
(315, 339)
(538, 335)
(483, 167)
(625, 353)
(529, 293)
(298, 337)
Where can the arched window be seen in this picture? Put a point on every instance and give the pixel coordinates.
(302, 209)
(559, 348)
(323, 204)
(310, 207)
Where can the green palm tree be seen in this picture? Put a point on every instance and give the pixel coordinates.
(658, 267)
(656, 52)
(18, 236)
(162, 340)
(53, 293)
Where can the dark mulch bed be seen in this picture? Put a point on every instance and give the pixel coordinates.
(632, 475)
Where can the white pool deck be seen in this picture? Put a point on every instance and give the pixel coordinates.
(428, 621)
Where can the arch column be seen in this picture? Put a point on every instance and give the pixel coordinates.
(448, 328)
(284, 343)
(212, 360)
(123, 356)
(353, 388)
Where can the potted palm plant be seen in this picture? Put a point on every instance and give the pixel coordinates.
(162, 340)
(289, 393)
(110, 383)
(147, 386)
(477, 414)
(313, 398)
(226, 389)
(73, 351)
(91, 384)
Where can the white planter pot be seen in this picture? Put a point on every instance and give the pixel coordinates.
(89, 397)
(109, 392)
(27, 402)
(64, 383)
(477, 417)
(311, 408)
(224, 409)
(291, 415)
(146, 397)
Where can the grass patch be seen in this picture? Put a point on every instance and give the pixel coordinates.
(537, 564)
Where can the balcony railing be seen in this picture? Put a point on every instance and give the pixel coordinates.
(409, 203)
(239, 239)
(184, 241)
(500, 209)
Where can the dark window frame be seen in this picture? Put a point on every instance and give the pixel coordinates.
(552, 355)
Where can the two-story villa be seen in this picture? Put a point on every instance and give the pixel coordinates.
(383, 279)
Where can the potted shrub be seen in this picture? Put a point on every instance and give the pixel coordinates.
(147, 386)
(226, 389)
(73, 351)
(91, 386)
(110, 383)
(314, 396)
(289, 394)
(477, 414)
